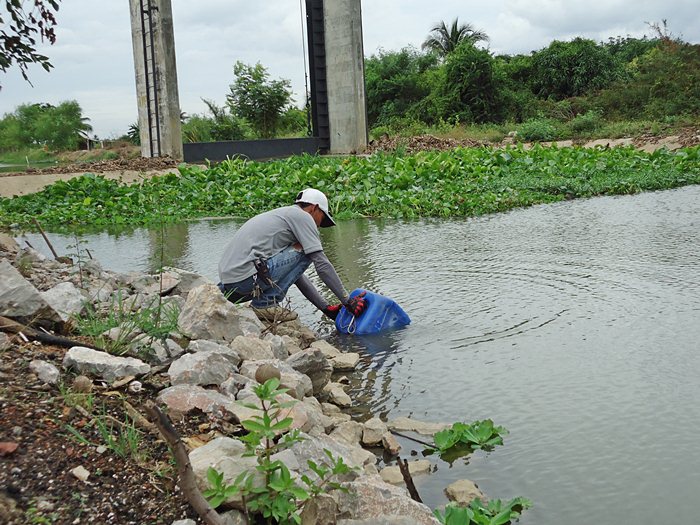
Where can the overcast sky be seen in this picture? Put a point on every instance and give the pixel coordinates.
(93, 57)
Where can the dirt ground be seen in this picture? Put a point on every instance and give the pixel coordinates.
(39, 452)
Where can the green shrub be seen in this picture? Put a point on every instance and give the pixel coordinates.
(587, 122)
(538, 129)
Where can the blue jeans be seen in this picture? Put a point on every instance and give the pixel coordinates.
(285, 268)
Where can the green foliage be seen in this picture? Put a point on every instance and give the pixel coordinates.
(569, 69)
(53, 127)
(279, 499)
(476, 435)
(472, 88)
(495, 512)
(587, 122)
(259, 100)
(444, 41)
(459, 183)
(537, 129)
(122, 438)
(21, 26)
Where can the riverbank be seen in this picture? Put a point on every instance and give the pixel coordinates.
(76, 446)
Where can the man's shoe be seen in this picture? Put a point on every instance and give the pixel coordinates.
(275, 314)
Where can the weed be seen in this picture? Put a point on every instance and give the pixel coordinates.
(495, 512)
(73, 399)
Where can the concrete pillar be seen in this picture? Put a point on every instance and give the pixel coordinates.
(156, 78)
(345, 75)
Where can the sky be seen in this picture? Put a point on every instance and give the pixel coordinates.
(93, 56)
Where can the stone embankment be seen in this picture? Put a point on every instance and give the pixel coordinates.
(210, 363)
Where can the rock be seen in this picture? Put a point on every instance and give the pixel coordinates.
(314, 364)
(345, 361)
(328, 350)
(371, 500)
(265, 372)
(234, 517)
(185, 398)
(404, 424)
(99, 292)
(5, 342)
(225, 455)
(297, 411)
(319, 510)
(184, 522)
(203, 368)
(393, 474)
(336, 394)
(163, 352)
(349, 432)
(82, 385)
(187, 280)
(291, 345)
(202, 345)
(301, 335)
(277, 345)
(235, 383)
(373, 431)
(165, 283)
(299, 384)
(102, 364)
(81, 473)
(65, 299)
(8, 244)
(463, 492)
(208, 315)
(46, 372)
(19, 299)
(252, 348)
(391, 444)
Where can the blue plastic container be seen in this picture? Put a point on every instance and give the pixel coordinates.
(380, 314)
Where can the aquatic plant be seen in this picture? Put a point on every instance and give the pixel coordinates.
(493, 512)
(478, 434)
(459, 183)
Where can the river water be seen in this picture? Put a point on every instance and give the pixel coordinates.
(575, 325)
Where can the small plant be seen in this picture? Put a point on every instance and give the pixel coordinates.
(279, 499)
(537, 130)
(73, 399)
(587, 122)
(495, 512)
(79, 254)
(476, 435)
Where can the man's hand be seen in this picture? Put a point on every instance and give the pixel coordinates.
(332, 310)
(356, 305)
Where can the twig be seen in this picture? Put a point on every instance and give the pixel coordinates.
(55, 255)
(431, 445)
(408, 480)
(184, 468)
(89, 254)
(29, 244)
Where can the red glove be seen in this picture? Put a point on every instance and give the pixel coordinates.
(356, 305)
(332, 310)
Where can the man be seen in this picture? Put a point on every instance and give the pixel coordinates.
(271, 252)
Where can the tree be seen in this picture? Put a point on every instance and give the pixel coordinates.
(444, 41)
(20, 29)
(570, 69)
(258, 99)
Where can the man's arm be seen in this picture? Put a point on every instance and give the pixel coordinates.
(328, 275)
(309, 291)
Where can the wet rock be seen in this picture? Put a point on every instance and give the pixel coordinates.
(45, 371)
(102, 364)
(403, 424)
(391, 444)
(65, 299)
(373, 431)
(19, 299)
(185, 398)
(371, 500)
(314, 364)
(336, 394)
(203, 368)
(345, 361)
(463, 492)
(252, 348)
(393, 474)
(208, 315)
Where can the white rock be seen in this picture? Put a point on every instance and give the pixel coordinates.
(345, 361)
(328, 350)
(102, 364)
(349, 432)
(277, 345)
(204, 368)
(403, 424)
(391, 444)
(185, 398)
(20, 299)
(337, 395)
(252, 348)
(463, 492)
(373, 431)
(81, 473)
(46, 372)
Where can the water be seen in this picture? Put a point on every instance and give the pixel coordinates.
(575, 325)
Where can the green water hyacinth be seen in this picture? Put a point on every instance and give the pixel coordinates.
(494, 512)
(464, 182)
(479, 434)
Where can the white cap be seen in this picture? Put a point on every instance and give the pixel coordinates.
(313, 196)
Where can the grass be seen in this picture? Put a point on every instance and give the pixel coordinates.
(25, 156)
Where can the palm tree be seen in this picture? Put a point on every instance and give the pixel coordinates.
(443, 40)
